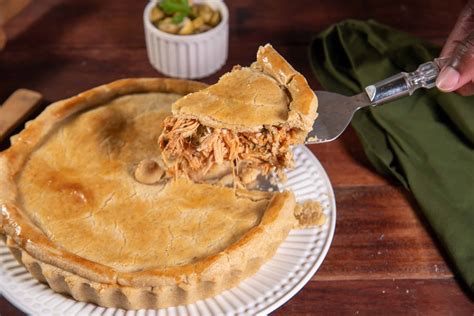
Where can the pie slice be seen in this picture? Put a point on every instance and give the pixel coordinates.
(73, 212)
(251, 115)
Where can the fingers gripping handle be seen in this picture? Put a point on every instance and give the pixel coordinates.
(403, 84)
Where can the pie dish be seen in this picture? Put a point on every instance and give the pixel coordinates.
(73, 213)
(251, 115)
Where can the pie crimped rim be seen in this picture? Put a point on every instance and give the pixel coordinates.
(89, 281)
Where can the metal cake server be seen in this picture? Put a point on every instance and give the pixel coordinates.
(335, 111)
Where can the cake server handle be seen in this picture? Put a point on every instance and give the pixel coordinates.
(405, 83)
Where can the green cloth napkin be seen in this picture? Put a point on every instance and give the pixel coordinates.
(426, 141)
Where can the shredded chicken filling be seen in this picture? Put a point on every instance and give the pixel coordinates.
(189, 147)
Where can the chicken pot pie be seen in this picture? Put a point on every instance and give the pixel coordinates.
(77, 213)
(249, 118)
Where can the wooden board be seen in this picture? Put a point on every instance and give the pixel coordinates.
(380, 297)
(3, 38)
(8, 9)
(16, 109)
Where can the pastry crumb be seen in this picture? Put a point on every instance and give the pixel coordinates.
(282, 177)
(309, 214)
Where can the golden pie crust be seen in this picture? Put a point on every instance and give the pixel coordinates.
(248, 121)
(270, 92)
(75, 216)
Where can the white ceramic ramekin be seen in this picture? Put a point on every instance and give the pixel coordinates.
(188, 56)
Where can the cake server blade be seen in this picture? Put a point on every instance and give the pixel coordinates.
(335, 111)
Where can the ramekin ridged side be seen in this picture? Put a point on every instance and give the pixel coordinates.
(188, 56)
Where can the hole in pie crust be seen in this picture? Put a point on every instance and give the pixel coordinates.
(148, 171)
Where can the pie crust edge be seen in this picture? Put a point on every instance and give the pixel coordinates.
(302, 111)
(88, 281)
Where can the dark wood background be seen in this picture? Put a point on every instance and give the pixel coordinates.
(384, 258)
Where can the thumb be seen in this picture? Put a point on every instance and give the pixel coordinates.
(460, 69)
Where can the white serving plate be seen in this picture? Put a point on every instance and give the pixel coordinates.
(296, 261)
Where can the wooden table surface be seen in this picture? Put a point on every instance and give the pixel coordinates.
(384, 259)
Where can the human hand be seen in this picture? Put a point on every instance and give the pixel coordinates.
(458, 74)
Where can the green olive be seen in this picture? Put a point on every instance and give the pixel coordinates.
(187, 27)
(167, 25)
(198, 22)
(203, 28)
(215, 19)
(194, 11)
(156, 14)
(205, 12)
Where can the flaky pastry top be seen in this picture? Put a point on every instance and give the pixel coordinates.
(69, 198)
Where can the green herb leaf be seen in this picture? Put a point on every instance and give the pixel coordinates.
(178, 18)
(179, 8)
